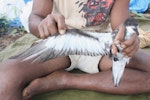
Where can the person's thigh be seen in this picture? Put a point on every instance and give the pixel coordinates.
(140, 61)
(29, 71)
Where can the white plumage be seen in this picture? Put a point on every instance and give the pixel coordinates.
(79, 42)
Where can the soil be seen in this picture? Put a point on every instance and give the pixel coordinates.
(6, 39)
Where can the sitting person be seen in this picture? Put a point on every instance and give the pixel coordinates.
(22, 80)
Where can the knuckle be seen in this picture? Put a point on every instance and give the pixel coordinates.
(50, 23)
(50, 20)
(49, 17)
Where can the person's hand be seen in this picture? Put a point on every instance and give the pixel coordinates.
(130, 46)
(53, 23)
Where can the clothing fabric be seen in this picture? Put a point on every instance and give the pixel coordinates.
(86, 64)
(139, 6)
(85, 14)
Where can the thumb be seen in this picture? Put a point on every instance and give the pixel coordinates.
(120, 35)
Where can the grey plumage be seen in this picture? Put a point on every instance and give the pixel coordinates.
(80, 42)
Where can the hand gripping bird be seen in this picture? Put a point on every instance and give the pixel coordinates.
(80, 42)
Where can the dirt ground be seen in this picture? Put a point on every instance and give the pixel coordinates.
(6, 39)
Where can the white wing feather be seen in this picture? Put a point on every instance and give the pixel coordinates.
(71, 43)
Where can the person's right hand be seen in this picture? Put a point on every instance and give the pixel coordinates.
(130, 46)
(53, 23)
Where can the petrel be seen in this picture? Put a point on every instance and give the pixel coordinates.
(81, 42)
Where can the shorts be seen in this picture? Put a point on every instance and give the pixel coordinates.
(86, 64)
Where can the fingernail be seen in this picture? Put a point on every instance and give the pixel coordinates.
(123, 46)
(25, 93)
(112, 51)
(117, 42)
(62, 31)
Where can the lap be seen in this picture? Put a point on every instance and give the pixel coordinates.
(30, 71)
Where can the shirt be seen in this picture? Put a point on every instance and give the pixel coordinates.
(85, 14)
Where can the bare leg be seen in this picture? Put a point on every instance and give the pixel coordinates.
(14, 75)
(135, 80)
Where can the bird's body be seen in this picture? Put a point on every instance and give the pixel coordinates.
(79, 42)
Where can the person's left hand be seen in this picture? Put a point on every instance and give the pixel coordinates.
(130, 46)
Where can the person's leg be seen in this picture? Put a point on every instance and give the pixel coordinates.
(135, 79)
(14, 75)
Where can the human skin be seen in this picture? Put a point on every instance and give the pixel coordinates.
(50, 76)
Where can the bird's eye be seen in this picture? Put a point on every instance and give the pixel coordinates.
(116, 59)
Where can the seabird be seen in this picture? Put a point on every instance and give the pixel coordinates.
(81, 42)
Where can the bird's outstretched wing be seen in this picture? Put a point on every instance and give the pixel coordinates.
(73, 42)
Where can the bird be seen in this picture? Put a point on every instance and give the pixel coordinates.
(82, 42)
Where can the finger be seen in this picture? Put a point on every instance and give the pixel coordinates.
(46, 31)
(114, 49)
(60, 23)
(130, 41)
(133, 52)
(120, 34)
(52, 26)
(41, 31)
(130, 51)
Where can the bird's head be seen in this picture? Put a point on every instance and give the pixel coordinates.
(131, 25)
(131, 22)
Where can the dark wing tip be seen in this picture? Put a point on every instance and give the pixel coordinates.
(17, 56)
